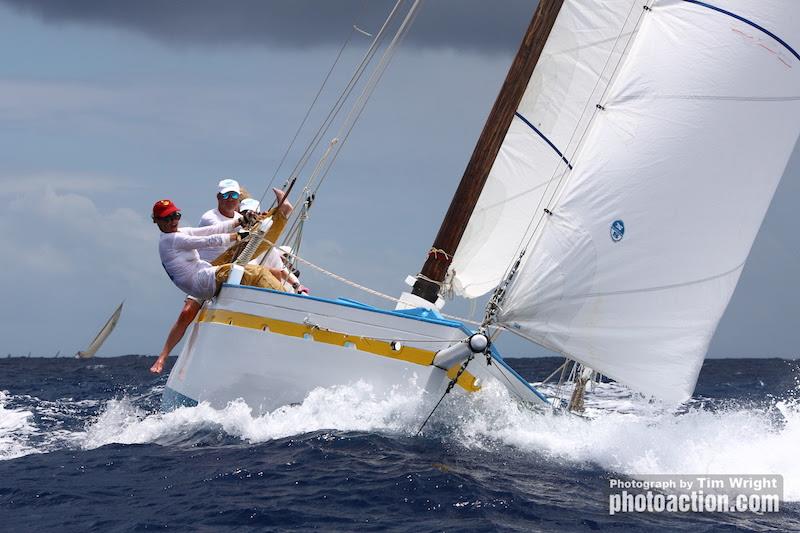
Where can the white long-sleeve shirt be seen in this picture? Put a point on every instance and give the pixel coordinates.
(214, 216)
(179, 255)
(211, 218)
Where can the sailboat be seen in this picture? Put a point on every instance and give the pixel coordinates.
(609, 207)
(102, 335)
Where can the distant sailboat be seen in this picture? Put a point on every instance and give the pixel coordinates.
(102, 335)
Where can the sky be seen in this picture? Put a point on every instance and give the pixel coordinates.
(106, 107)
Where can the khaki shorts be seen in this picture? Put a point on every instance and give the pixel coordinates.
(254, 276)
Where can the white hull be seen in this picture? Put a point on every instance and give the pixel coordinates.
(271, 349)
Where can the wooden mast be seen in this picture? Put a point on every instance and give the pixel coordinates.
(494, 132)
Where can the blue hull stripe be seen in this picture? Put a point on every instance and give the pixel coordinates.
(746, 21)
(540, 134)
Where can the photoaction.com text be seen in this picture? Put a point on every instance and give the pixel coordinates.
(696, 494)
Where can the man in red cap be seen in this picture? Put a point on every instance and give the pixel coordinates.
(178, 248)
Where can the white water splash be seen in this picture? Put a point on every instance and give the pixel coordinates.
(640, 438)
(649, 439)
(345, 408)
(15, 428)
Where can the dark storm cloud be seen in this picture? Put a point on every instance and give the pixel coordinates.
(478, 25)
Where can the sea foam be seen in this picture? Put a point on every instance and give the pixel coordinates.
(15, 428)
(643, 438)
(625, 434)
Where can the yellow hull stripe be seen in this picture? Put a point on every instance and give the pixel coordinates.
(409, 354)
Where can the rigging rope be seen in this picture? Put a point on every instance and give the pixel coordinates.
(324, 165)
(369, 87)
(308, 111)
(367, 289)
(337, 106)
(447, 391)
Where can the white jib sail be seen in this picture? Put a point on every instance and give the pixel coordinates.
(633, 270)
(102, 335)
(581, 52)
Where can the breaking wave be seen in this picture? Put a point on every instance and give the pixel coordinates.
(635, 437)
(15, 427)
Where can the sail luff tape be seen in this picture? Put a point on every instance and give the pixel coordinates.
(255, 241)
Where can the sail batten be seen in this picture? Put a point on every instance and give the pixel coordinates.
(545, 139)
(634, 266)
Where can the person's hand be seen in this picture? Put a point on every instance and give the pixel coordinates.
(248, 219)
(300, 289)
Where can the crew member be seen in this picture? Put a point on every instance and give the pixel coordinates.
(229, 195)
(276, 256)
(179, 247)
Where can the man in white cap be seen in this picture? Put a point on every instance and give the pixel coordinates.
(228, 198)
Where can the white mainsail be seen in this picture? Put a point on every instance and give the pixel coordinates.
(102, 335)
(573, 71)
(650, 230)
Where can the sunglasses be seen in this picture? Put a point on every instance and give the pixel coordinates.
(170, 218)
(230, 195)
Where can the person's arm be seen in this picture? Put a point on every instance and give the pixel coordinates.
(292, 280)
(183, 241)
(221, 227)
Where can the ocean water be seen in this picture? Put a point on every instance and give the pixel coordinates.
(83, 447)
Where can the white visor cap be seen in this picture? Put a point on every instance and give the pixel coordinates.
(229, 185)
(249, 204)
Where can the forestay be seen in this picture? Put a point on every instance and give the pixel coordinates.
(650, 231)
(581, 53)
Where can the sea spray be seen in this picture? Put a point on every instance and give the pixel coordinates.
(646, 439)
(484, 462)
(15, 428)
(345, 408)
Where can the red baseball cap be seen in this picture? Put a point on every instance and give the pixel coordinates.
(164, 208)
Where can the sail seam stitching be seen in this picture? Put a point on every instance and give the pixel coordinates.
(727, 98)
(746, 21)
(665, 287)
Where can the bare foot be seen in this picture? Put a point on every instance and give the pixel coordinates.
(158, 366)
(286, 207)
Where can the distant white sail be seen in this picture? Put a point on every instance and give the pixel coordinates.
(101, 337)
(580, 55)
(632, 272)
